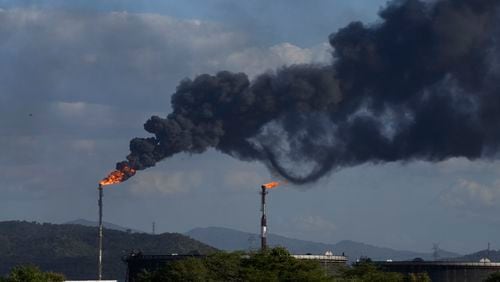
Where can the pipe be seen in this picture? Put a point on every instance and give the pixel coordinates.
(99, 264)
(263, 220)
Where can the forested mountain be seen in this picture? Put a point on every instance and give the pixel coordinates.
(71, 249)
(107, 225)
(230, 239)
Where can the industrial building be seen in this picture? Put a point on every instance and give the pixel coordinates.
(444, 271)
(330, 262)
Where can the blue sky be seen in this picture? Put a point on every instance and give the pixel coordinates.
(91, 72)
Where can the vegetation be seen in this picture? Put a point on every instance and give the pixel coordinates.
(72, 249)
(31, 273)
(366, 271)
(274, 265)
(494, 277)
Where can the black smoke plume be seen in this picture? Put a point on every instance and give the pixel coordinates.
(423, 83)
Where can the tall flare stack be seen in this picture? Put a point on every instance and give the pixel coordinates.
(99, 263)
(263, 219)
(122, 173)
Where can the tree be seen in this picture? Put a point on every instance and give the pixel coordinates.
(273, 265)
(367, 271)
(278, 265)
(31, 273)
(190, 269)
(418, 277)
(224, 266)
(494, 277)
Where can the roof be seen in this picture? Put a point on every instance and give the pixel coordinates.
(321, 257)
(441, 263)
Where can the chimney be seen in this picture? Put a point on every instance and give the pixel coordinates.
(263, 220)
(99, 264)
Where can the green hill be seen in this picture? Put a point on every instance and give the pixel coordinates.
(72, 249)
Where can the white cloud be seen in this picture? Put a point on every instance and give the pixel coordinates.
(291, 54)
(34, 180)
(469, 194)
(77, 67)
(107, 58)
(77, 86)
(313, 223)
(165, 182)
(254, 61)
(463, 165)
(86, 146)
(82, 113)
(242, 179)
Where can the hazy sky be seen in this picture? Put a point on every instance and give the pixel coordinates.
(79, 78)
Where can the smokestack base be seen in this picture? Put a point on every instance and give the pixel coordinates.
(99, 263)
(263, 220)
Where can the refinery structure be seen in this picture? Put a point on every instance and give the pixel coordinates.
(445, 271)
(137, 262)
(438, 271)
(256, 84)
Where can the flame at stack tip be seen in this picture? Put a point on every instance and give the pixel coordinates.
(118, 176)
(271, 185)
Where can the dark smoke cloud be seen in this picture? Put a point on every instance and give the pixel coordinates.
(420, 84)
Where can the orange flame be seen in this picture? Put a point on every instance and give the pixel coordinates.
(271, 185)
(118, 176)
